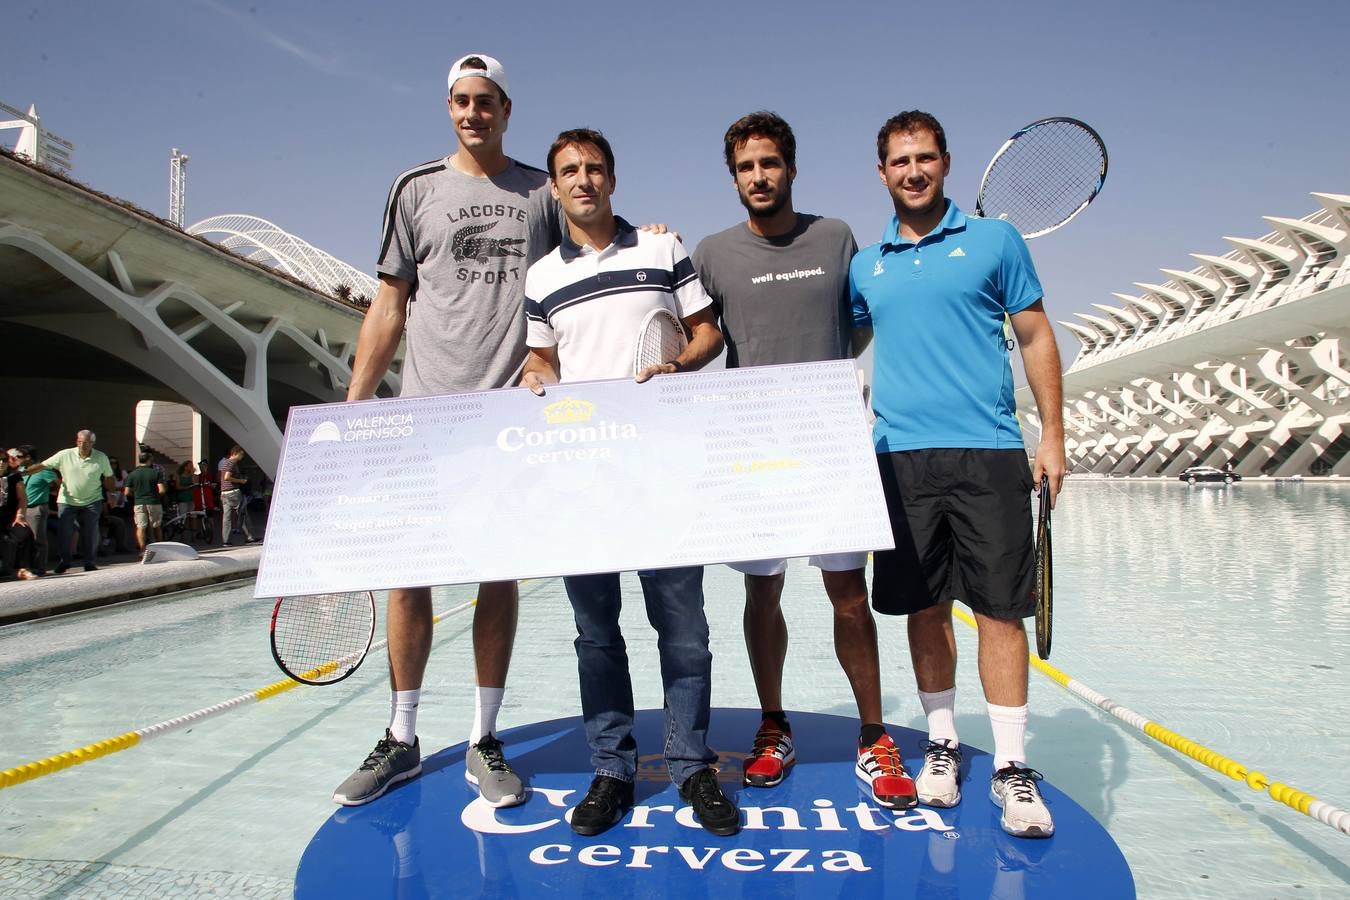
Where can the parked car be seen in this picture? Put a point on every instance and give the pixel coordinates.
(1208, 473)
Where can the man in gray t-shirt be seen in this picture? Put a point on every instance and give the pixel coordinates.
(458, 235)
(782, 298)
(780, 283)
(463, 243)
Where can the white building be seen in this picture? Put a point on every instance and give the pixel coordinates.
(1241, 359)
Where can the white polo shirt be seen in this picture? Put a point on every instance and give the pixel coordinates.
(589, 304)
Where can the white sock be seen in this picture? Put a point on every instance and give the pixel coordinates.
(487, 702)
(940, 707)
(403, 715)
(1010, 732)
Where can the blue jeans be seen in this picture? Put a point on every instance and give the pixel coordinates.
(675, 609)
(88, 518)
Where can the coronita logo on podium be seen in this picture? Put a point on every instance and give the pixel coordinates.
(815, 821)
(828, 828)
(818, 833)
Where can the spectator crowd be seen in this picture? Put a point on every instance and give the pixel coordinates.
(79, 502)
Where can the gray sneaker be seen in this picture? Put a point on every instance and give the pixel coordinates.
(1024, 811)
(486, 767)
(939, 781)
(389, 763)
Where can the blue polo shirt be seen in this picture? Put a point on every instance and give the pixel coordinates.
(941, 371)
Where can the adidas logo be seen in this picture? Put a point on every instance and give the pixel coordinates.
(878, 269)
(957, 252)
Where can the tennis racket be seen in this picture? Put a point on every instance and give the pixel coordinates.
(322, 638)
(660, 339)
(1043, 587)
(1043, 176)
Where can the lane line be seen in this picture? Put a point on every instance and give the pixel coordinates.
(1309, 805)
(100, 749)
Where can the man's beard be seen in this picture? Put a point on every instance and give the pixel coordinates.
(781, 200)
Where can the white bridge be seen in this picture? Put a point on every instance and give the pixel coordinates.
(259, 240)
(105, 305)
(1241, 359)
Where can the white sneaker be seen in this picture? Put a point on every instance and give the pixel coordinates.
(1024, 812)
(939, 781)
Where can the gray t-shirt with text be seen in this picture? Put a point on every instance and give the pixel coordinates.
(465, 243)
(783, 299)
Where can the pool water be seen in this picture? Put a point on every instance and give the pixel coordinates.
(1219, 612)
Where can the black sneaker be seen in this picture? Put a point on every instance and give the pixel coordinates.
(714, 811)
(608, 801)
(61, 568)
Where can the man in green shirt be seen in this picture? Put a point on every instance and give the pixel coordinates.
(145, 487)
(85, 475)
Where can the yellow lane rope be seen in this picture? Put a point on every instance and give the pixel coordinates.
(81, 755)
(1293, 798)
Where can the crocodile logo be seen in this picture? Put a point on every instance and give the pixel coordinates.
(466, 244)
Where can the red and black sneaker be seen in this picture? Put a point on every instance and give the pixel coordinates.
(772, 757)
(880, 766)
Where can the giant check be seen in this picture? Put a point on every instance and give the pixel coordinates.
(598, 476)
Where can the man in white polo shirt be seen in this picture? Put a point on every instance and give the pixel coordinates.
(585, 302)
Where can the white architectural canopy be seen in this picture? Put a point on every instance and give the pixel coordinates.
(261, 241)
(1242, 359)
(98, 296)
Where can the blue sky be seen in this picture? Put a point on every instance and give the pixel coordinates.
(1214, 113)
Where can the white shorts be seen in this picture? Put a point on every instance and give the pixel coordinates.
(826, 562)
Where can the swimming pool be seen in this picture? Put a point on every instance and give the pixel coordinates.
(1220, 612)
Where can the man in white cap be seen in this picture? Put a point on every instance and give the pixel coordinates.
(458, 236)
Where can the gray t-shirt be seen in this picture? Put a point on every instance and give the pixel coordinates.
(783, 299)
(465, 243)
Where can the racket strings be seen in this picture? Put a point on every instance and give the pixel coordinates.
(1043, 177)
(659, 343)
(322, 630)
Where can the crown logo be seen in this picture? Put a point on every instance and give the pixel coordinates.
(568, 411)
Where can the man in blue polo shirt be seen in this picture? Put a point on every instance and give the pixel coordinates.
(585, 302)
(937, 291)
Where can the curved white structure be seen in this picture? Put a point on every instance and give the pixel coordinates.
(260, 240)
(1242, 359)
(111, 302)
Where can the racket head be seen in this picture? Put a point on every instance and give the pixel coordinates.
(660, 338)
(321, 639)
(1043, 176)
(1043, 586)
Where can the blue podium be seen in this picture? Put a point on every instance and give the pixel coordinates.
(815, 835)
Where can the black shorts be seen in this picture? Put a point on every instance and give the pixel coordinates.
(962, 526)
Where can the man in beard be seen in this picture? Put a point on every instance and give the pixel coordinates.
(780, 284)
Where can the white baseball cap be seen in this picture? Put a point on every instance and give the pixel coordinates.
(491, 70)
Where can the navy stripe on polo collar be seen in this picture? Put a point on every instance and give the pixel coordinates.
(952, 220)
(626, 237)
